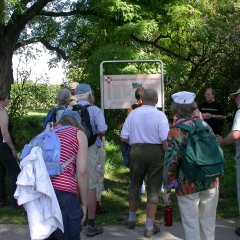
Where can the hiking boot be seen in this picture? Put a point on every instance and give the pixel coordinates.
(129, 224)
(237, 231)
(93, 231)
(150, 233)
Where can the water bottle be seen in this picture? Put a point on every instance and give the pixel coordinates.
(168, 216)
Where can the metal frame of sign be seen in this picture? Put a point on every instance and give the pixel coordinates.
(161, 79)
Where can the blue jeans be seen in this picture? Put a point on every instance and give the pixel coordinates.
(71, 214)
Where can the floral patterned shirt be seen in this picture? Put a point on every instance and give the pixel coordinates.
(173, 177)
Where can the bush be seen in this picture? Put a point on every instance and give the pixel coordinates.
(25, 128)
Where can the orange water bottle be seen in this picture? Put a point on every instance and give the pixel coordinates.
(168, 216)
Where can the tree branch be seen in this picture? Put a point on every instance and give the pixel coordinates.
(59, 51)
(154, 43)
(26, 42)
(69, 13)
(46, 43)
(18, 21)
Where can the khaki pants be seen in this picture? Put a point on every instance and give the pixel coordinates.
(198, 214)
(101, 169)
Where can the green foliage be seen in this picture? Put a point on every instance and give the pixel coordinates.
(28, 95)
(198, 41)
(25, 128)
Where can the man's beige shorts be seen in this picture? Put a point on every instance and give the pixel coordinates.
(93, 161)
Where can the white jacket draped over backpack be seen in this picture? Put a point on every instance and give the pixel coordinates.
(35, 192)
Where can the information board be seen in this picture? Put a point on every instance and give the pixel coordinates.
(119, 90)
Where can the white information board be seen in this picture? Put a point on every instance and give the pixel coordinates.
(119, 90)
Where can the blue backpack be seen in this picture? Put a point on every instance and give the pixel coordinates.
(51, 116)
(49, 142)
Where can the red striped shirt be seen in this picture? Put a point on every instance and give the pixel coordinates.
(66, 181)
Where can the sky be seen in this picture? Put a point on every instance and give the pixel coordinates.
(39, 68)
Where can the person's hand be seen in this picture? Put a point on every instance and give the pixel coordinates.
(207, 115)
(166, 198)
(84, 210)
(198, 114)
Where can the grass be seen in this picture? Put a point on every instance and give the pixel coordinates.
(116, 186)
(116, 191)
(37, 112)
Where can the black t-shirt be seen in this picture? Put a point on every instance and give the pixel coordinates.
(214, 108)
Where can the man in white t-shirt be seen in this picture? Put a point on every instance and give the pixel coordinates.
(234, 137)
(145, 129)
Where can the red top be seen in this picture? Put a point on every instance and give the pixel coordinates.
(66, 181)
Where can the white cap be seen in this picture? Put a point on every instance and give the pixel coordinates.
(183, 97)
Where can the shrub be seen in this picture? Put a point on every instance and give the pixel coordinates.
(25, 128)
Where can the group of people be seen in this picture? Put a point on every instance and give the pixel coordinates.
(82, 177)
(154, 157)
(94, 155)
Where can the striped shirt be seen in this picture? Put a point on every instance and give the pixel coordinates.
(66, 181)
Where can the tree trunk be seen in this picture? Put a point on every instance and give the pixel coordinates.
(6, 71)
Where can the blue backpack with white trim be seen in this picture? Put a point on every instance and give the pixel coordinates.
(49, 142)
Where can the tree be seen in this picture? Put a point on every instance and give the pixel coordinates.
(23, 22)
(197, 40)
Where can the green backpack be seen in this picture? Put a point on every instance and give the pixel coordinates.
(202, 157)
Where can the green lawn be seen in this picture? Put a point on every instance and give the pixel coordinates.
(116, 186)
(38, 112)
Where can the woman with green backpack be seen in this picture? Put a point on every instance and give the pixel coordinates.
(197, 198)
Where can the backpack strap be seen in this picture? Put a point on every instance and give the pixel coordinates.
(183, 127)
(61, 128)
(65, 164)
(54, 112)
(191, 129)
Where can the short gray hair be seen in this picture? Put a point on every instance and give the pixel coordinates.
(84, 96)
(150, 95)
(63, 96)
(183, 109)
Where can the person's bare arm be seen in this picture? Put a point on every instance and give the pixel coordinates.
(82, 171)
(4, 130)
(213, 116)
(229, 139)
